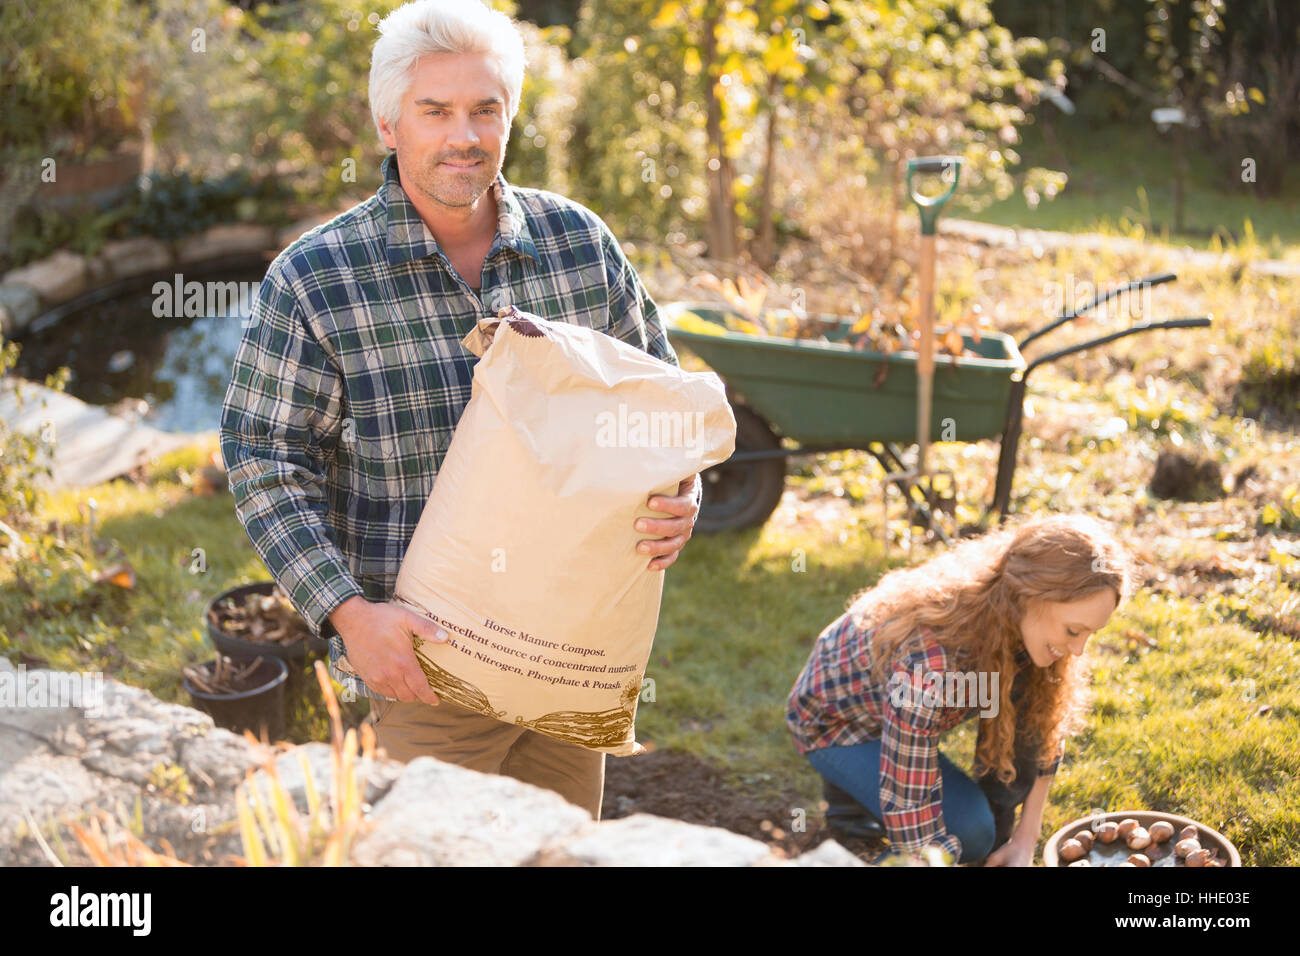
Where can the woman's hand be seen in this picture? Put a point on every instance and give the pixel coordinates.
(1014, 852)
(1019, 850)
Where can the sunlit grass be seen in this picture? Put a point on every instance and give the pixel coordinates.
(1121, 183)
(147, 635)
(738, 620)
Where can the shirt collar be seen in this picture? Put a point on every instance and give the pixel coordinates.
(409, 238)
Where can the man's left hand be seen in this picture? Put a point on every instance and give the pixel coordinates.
(674, 531)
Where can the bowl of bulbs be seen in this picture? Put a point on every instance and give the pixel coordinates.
(1139, 838)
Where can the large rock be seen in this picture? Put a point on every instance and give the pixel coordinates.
(827, 853)
(43, 719)
(90, 445)
(19, 304)
(55, 279)
(377, 776)
(123, 258)
(219, 759)
(65, 760)
(645, 840)
(134, 733)
(439, 814)
(225, 240)
(42, 775)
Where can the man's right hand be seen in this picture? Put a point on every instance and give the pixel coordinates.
(377, 638)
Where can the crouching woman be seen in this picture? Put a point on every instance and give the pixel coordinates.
(993, 629)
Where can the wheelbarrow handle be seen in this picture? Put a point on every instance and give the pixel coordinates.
(1199, 322)
(1016, 404)
(930, 205)
(1146, 281)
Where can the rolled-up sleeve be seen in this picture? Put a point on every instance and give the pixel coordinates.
(282, 407)
(634, 317)
(911, 784)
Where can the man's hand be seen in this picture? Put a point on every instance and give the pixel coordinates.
(675, 531)
(377, 638)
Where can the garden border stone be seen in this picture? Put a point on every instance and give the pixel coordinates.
(62, 764)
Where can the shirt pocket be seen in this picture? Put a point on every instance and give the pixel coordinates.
(578, 295)
(444, 372)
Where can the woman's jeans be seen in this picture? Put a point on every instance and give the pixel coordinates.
(978, 812)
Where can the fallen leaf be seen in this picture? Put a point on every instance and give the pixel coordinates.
(952, 342)
(119, 575)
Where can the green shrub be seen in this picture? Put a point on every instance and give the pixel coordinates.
(25, 457)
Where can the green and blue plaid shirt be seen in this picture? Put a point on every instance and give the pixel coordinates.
(350, 377)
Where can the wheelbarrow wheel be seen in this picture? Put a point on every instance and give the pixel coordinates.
(743, 494)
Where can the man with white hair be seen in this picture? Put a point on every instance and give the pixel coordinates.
(350, 379)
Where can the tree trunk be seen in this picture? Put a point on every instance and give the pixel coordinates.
(1180, 177)
(895, 207)
(766, 252)
(722, 209)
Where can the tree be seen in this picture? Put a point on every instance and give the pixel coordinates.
(702, 73)
(936, 76)
(1255, 112)
(1183, 38)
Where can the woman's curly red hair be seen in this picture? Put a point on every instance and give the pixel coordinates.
(975, 595)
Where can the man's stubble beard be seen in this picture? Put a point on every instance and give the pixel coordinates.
(455, 189)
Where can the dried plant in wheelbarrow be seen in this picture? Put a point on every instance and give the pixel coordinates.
(224, 675)
(750, 311)
(886, 328)
(261, 618)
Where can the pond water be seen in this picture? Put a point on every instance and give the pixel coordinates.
(120, 349)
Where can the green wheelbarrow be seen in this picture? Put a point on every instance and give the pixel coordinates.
(800, 397)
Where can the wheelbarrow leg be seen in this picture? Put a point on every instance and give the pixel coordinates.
(890, 456)
(1007, 451)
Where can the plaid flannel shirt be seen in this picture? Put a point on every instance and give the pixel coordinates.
(836, 702)
(350, 378)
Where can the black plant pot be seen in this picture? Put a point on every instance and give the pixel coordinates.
(238, 647)
(259, 709)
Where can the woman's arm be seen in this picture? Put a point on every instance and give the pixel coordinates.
(1019, 850)
(911, 782)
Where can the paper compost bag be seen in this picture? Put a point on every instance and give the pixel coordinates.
(525, 552)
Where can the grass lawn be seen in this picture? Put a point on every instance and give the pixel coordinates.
(1120, 178)
(53, 612)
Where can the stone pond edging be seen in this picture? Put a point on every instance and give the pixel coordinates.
(62, 763)
(96, 444)
(31, 290)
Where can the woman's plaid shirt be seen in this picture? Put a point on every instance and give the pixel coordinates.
(836, 702)
(350, 377)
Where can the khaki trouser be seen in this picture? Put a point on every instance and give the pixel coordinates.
(461, 736)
